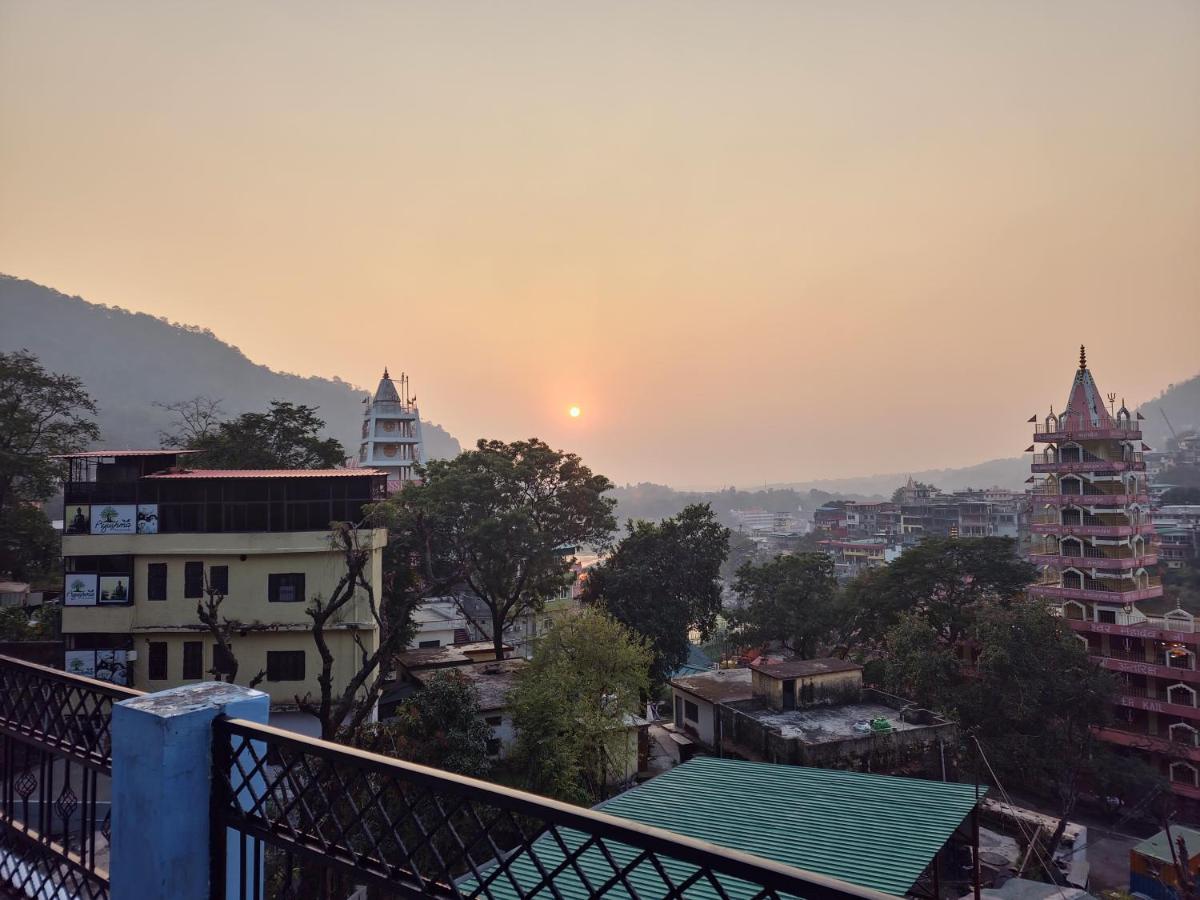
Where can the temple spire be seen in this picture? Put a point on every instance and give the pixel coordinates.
(1082, 357)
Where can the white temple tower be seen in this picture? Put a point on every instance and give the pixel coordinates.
(391, 432)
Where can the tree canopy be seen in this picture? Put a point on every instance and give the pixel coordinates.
(288, 436)
(790, 599)
(440, 726)
(946, 580)
(571, 706)
(663, 581)
(498, 523)
(42, 414)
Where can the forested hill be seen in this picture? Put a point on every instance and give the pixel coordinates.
(130, 361)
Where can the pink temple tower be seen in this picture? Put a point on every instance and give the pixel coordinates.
(1093, 540)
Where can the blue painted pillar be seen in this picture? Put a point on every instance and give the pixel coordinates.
(162, 772)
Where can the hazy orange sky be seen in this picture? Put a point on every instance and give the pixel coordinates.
(752, 241)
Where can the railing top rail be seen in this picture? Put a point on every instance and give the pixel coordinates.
(69, 715)
(767, 873)
(116, 691)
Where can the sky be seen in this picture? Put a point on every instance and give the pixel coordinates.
(752, 242)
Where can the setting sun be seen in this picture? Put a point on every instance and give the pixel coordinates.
(574, 412)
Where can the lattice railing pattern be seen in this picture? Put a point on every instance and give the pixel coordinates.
(321, 818)
(65, 713)
(55, 768)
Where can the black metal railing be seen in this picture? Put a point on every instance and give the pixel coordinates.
(301, 817)
(55, 778)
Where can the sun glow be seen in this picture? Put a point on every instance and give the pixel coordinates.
(573, 412)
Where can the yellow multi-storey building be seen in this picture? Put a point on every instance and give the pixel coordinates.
(146, 539)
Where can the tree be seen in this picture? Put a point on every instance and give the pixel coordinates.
(222, 628)
(571, 706)
(42, 623)
(947, 580)
(920, 665)
(441, 726)
(286, 437)
(42, 414)
(789, 599)
(498, 522)
(192, 421)
(1035, 701)
(1031, 701)
(663, 581)
(29, 545)
(347, 711)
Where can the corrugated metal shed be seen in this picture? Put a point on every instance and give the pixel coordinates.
(875, 831)
(1157, 847)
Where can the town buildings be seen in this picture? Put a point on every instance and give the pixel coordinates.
(1094, 541)
(145, 539)
(391, 432)
(812, 712)
(852, 557)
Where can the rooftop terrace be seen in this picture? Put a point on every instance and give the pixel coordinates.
(819, 724)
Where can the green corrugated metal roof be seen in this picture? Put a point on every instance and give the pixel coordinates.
(1157, 847)
(876, 831)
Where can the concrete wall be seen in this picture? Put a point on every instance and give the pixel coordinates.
(251, 558)
(827, 687)
(251, 652)
(702, 727)
(915, 751)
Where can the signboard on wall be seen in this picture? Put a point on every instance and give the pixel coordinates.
(147, 518)
(114, 589)
(78, 519)
(107, 519)
(105, 665)
(80, 590)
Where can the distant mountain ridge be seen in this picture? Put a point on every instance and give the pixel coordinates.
(130, 361)
(1180, 402)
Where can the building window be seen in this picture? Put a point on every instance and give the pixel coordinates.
(156, 581)
(156, 669)
(285, 588)
(690, 711)
(285, 665)
(193, 580)
(218, 579)
(193, 660)
(424, 645)
(493, 742)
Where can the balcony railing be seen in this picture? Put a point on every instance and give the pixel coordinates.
(327, 817)
(1126, 427)
(55, 806)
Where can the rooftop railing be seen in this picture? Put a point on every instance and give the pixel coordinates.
(330, 818)
(55, 770)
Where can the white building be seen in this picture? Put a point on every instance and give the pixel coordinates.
(756, 521)
(391, 432)
(694, 697)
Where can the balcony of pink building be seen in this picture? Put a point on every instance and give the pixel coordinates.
(1089, 526)
(1092, 559)
(1174, 747)
(1176, 700)
(1072, 586)
(1117, 431)
(1115, 661)
(1134, 464)
(1158, 628)
(1114, 500)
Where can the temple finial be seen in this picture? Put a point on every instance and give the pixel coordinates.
(1082, 357)
(385, 372)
